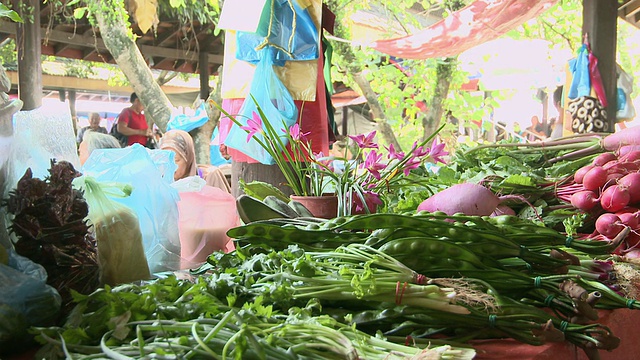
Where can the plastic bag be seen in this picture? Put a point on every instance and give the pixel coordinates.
(120, 252)
(289, 28)
(625, 111)
(579, 67)
(274, 99)
(26, 300)
(188, 123)
(164, 162)
(153, 200)
(206, 215)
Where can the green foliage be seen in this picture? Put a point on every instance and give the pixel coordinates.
(5, 12)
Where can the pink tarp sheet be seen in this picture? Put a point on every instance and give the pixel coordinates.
(481, 21)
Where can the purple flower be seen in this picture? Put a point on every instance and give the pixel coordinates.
(371, 199)
(411, 164)
(419, 151)
(254, 126)
(295, 133)
(393, 154)
(437, 152)
(365, 141)
(373, 164)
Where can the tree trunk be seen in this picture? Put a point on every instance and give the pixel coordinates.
(202, 135)
(376, 110)
(128, 57)
(433, 116)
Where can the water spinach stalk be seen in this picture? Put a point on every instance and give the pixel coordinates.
(358, 271)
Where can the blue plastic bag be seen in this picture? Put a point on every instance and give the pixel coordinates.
(579, 67)
(26, 300)
(188, 123)
(153, 200)
(292, 33)
(268, 92)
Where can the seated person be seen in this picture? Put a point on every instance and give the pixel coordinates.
(94, 125)
(94, 140)
(181, 143)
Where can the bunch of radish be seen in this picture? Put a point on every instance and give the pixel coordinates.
(610, 186)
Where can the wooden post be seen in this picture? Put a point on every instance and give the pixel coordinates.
(72, 110)
(203, 65)
(28, 42)
(599, 22)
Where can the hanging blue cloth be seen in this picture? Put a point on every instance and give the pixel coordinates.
(288, 28)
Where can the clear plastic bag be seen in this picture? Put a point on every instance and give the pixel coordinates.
(188, 123)
(153, 200)
(26, 299)
(268, 92)
(121, 255)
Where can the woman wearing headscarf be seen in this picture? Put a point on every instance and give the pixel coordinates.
(181, 143)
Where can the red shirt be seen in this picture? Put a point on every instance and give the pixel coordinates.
(135, 121)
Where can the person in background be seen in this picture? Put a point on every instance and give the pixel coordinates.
(556, 123)
(94, 125)
(181, 143)
(95, 140)
(535, 131)
(132, 123)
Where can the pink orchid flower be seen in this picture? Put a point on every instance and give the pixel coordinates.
(393, 154)
(411, 164)
(372, 199)
(254, 126)
(437, 152)
(295, 133)
(373, 164)
(365, 141)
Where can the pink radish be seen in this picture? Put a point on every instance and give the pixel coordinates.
(614, 198)
(629, 219)
(579, 175)
(609, 225)
(466, 198)
(621, 167)
(632, 155)
(632, 182)
(604, 158)
(632, 256)
(627, 149)
(503, 210)
(594, 178)
(585, 200)
(628, 136)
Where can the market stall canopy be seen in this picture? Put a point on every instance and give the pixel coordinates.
(481, 21)
(514, 64)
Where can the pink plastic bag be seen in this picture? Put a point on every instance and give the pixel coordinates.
(205, 216)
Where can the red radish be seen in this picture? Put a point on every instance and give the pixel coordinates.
(628, 136)
(630, 219)
(466, 198)
(612, 179)
(632, 153)
(633, 255)
(621, 167)
(624, 150)
(632, 182)
(614, 198)
(594, 178)
(585, 200)
(609, 225)
(503, 210)
(604, 158)
(579, 175)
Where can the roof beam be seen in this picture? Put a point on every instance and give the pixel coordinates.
(85, 39)
(629, 9)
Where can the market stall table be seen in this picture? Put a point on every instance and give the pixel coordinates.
(622, 322)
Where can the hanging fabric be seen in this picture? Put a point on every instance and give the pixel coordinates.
(289, 29)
